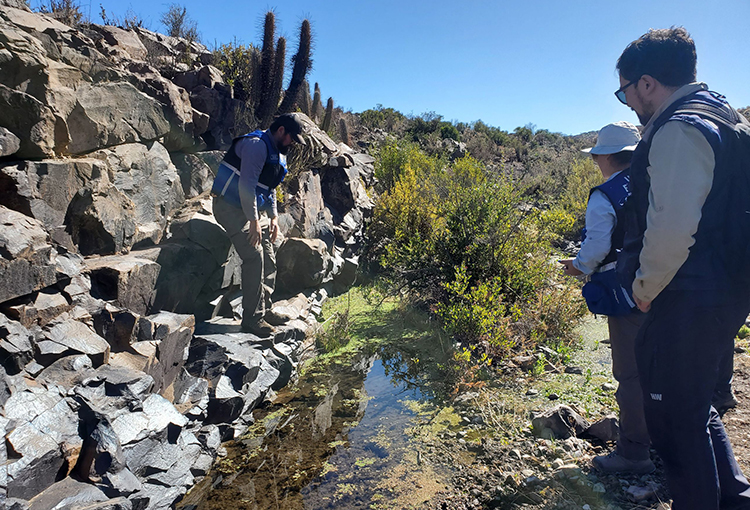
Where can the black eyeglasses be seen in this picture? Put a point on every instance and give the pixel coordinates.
(620, 93)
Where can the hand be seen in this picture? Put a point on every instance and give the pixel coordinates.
(274, 229)
(254, 233)
(643, 306)
(569, 268)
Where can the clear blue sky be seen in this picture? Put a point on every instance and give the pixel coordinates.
(509, 63)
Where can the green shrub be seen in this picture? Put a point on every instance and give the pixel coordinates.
(743, 333)
(464, 239)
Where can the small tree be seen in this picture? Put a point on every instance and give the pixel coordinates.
(179, 23)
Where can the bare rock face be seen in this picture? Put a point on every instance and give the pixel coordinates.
(197, 170)
(9, 143)
(126, 40)
(16, 345)
(26, 260)
(71, 337)
(126, 280)
(108, 114)
(41, 132)
(101, 221)
(145, 175)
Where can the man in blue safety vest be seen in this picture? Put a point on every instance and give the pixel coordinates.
(685, 255)
(245, 205)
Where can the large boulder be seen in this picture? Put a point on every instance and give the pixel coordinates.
(101, 220)
(41, 131)
(197, 170)
(305, 204)
(301, 263)
(26, 260)
(45, 189)
(69, 337)
(127, 280)
(126, 40)
(172, 334)
(238, 374)
(146, 175)
(106, 114)
(43, 439)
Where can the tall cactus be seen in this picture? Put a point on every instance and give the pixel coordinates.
(328, 116)
(267, 60)
(302, 64)
(305, 101)
(344, 131)
(317, 105)
(267, 112)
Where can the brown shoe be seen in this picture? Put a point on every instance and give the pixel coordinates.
(260, 328)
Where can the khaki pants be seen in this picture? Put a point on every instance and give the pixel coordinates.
(634, 440)
(258, 262)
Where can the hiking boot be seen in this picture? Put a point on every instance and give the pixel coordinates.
(260, 328)
(723, 400)
(616, 463)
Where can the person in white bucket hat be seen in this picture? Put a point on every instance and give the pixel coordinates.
(603, 238)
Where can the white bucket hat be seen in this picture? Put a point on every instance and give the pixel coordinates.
(616, 137)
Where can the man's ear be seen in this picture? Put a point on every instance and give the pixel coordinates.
(648, 83)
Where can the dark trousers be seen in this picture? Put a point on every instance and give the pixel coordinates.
(258, 262)
(634, 443)
(679, 350)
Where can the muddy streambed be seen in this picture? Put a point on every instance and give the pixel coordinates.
(363, 429)
(344, 435)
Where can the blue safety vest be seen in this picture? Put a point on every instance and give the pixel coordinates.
(226, 182)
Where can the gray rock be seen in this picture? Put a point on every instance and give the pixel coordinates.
(127, 40)
(117, 326)
(42, 133)
(44, 439)
(189, 389)
(67, 372)
(301, 263)
(27, 261)
(122, 381)
(16, 345)
(145, 174)
(71, 337)
(195, 221)
(127, 280)
(101, 222)
(157, 414)
(197, 170)
(67, 494)
(235, 371)
(95, 122)
(343, 190)
(44, 189)
(606, 429)
(559, 422)
(112, 504)
(173, 333)
(9, 143)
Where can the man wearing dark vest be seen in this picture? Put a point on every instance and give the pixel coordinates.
(245, 205)
(685, 256)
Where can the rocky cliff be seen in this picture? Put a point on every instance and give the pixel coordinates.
(122, 366)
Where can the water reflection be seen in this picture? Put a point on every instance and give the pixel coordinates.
(337, 441)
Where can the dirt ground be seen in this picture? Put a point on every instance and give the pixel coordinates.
(520, 470)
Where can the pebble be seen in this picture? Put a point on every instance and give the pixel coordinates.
(553, 396)
(557, 464)
(586, 507)
(599, 487)
(527, 473)
(532, 392)
(516, 453)
(609, 387)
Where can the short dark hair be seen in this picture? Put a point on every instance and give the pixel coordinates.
(667, 54)
(622, 158)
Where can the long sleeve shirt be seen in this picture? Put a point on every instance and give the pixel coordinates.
(681, 172)
(252, 153)
(601, 221)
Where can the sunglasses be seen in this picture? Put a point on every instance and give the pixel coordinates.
(620, 93)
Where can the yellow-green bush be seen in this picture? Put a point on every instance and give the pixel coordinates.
(464, 239)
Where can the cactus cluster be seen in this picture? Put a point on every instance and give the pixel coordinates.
(263, 90)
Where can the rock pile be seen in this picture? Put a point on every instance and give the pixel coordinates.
(122, 367)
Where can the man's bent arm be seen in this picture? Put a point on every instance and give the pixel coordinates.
(253, 153)
(681, 171)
